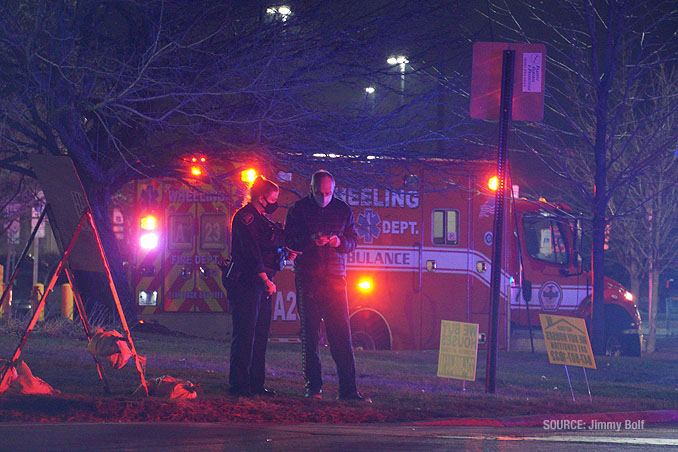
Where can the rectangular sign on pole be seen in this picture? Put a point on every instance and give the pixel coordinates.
(528, 80)
(567, 340)
(458, 350)
(13, 223)
(64, 192)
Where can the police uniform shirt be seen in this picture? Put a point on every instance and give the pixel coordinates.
(255, 242)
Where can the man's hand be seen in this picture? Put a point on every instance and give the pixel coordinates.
(334, 241)
(320, 240)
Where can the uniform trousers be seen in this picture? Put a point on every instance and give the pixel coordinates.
(251, 314)
(324, 298)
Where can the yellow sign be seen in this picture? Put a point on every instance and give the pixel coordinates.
(567, 341)
(458, 350)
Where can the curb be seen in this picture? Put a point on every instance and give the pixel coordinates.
(538, 420)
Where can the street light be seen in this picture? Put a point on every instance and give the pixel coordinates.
(369, 97)
(282, 12)
(402, 61)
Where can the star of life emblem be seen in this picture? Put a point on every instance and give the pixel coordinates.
(367, 225)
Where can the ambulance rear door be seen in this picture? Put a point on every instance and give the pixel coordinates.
(197, 232)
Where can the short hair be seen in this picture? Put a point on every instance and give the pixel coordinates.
(320, 175)
(262, 187)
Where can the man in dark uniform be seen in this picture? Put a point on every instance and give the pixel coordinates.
(255, 252)
(322, 230)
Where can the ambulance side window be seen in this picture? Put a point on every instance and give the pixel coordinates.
(445, 227)
(180, 232)
(213, 231)
(545, 240)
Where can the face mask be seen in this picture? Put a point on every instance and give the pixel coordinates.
(323, 192)
(271, 207)
(321, 200)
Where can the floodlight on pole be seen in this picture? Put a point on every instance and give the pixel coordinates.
(401, 61)
(283, 12)
(370, 97)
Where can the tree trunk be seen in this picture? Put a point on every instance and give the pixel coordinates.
(99, 201)
(599, 213)
(635, 287)
(598, 238)
(94, 287)
(652, 296)
(598, 267)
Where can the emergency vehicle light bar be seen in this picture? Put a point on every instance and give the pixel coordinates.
(195, 169)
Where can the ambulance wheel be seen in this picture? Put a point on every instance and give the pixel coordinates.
(362, 341)
(631, 345)
(369, 331)
(616, 342)
(613, 344)
(619, 344)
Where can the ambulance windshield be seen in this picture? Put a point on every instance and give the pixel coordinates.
(545, 239)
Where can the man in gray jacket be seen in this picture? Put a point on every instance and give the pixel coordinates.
(321, 229)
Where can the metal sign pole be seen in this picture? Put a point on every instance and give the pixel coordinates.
(587, 385)
(118, 305)
(505, 117)
(570, 382)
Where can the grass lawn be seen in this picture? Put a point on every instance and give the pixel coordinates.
(403, 385)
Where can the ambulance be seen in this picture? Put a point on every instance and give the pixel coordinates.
(424, 254)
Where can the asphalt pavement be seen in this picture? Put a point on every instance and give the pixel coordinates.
(636, 431)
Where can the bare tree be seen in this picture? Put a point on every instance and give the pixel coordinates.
(125, 87)
(598, 53)
(644, 238)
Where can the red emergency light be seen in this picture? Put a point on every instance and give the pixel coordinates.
(493, 183)
(196, 169)
(149, 239)
(249, 175)
(365, 285)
